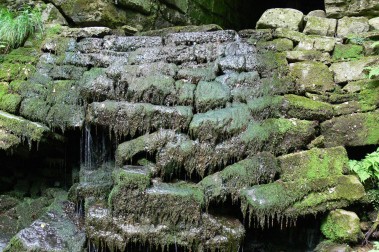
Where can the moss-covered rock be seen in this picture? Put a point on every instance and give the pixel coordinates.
(129, 118)
(259, 169)
(312, 77)
(352, 130)
(278, 135)
(22, 128)
(209, 95)
(352, 25)
(313, 164)
(352, 70)
(279, 45)
(342, 52)
(281, 18)
(320, 26)
(295, 106)
(342, 226)
(220, 124)
(327, 245)
(161, 203)
(310, 55)
(280, 200)
(214, 233)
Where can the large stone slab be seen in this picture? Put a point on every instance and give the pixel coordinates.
(281, 18)
(129, 118)
(215, 233)
(352, 70)
(352, 25)
(352, 130)
(281, 200)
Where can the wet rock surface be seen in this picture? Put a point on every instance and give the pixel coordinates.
(175, 124)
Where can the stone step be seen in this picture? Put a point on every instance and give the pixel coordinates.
(161, 203)
(280, 200)
(214, 233)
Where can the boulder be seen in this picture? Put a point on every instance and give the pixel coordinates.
(342, 226)
(129, 118)
(352, 130)
(259, 169)
(51, 15)
(320, 26)
(312, 76)
(352, 25)
(281, 18)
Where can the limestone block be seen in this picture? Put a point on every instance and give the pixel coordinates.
(352, 25)
(352, 70)
(281, 18)
(320, 26)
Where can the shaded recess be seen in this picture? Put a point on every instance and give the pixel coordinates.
(28, 170)
(251, 11)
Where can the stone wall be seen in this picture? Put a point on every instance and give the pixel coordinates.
(261, 118)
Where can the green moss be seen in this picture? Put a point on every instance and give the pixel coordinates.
(221, 123)
(21, 127)
(266, 106)
(342, 52)
(371, 134)
(132, 177)
(301, 197)
(10, 103)
(341, 226)
(304, 108)
(312, 76)
(9, 72)
(261, 168)
(210, 95)
(315, 163)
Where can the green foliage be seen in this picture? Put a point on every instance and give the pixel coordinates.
(375, 248)
(368, 168)
(373, 72)
(15, 28)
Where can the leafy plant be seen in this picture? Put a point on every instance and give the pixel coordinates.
(376, 247)
(367, 168)
(15, 28)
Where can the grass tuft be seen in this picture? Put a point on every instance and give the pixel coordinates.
(15, 28)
